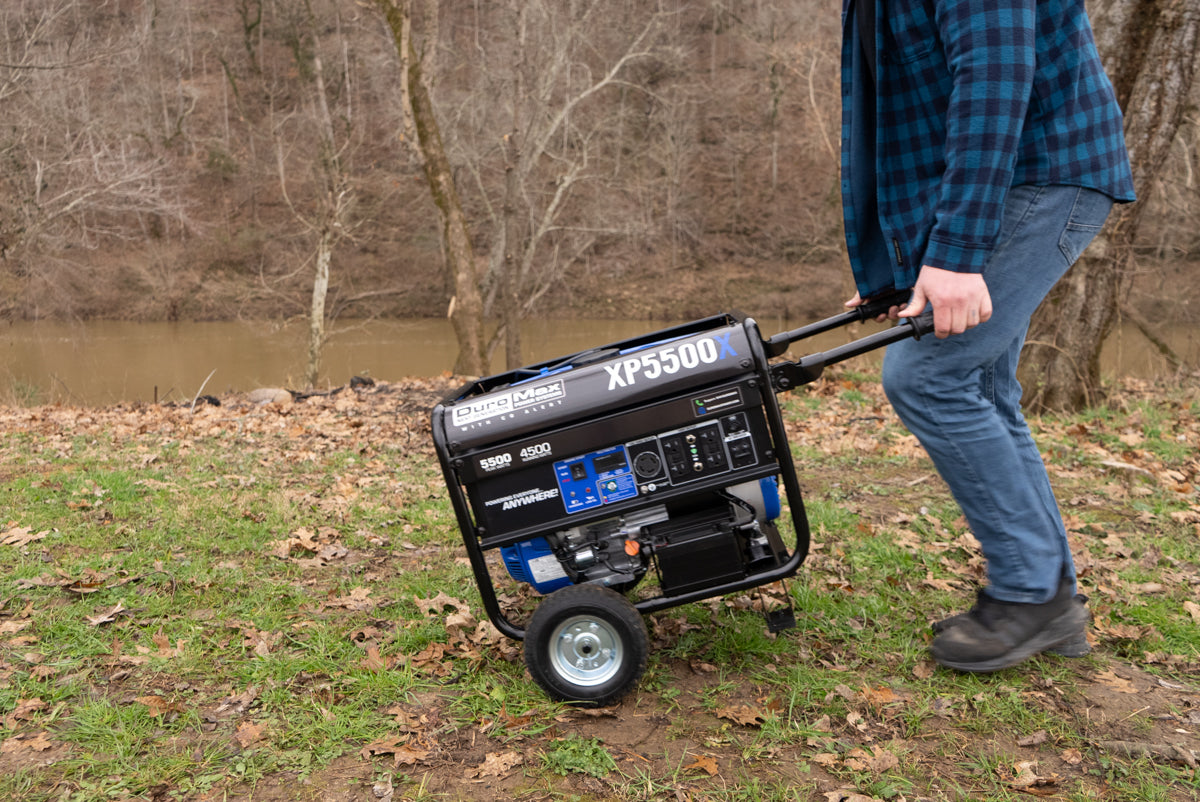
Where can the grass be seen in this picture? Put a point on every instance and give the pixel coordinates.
(577, 755)
(236, 604)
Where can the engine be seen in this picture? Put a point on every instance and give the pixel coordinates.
(711, 539)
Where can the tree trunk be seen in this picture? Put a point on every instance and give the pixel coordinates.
(509, 279)
(462, 281)
(511, 229)
(316, 327)
(334, 202)
(1150, 49)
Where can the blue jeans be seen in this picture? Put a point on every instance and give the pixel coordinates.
(961, 398)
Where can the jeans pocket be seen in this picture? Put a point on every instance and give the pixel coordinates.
(1088, 214)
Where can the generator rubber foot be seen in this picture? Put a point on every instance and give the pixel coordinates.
(782, 619)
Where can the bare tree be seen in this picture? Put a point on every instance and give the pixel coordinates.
(79, 170)
(538, 119)
(1151, 48)
(328, 214)
(462, 282)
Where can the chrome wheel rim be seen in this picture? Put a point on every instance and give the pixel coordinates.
(586, 650)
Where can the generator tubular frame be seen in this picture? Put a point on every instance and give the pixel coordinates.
(760, 375)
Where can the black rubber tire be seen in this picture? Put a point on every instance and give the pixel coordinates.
(586, 644)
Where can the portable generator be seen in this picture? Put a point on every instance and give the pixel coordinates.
(662, 457)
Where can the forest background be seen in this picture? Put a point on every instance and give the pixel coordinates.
(205, 160)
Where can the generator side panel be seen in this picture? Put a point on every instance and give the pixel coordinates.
(619, 463)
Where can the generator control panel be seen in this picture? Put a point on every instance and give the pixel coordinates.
(680, 446)
(589, 481)
(671, 458)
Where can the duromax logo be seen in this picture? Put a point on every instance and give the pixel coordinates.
(500, 405)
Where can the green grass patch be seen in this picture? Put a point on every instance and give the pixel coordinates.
(226, 603)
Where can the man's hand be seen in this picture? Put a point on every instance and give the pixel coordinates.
(960, 300)
(857, 300)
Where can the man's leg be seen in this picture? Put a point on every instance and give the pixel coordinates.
(961, 398)
(1006, 394)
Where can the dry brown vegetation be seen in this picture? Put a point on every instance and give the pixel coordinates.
(145, 146)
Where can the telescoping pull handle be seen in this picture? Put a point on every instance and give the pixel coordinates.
(790, 375)
(867, 310)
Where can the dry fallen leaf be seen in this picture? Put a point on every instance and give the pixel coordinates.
(359, 600)
(878, 697)
(924, 669)
(33, 742)
(1072, 757)
(398, 748)
(92, 582)
(742, 714)
(574, 713)
(1027, 779)
(1192, 609)
(432, 659)
(1039, 737)
(248, 733)
(460, 621)
(131, 659)
(236, 705)
(165, 649)
(848, 795)
(262, 642)
(496, 764)
(705, 764)
(373, 661)
(876, 762)
(106, 618)
(23, 712)
(409, 722)
(438, 604)
(20, 535)
(324, 544)
(58, 580)
(1116, 683)
(158, 706)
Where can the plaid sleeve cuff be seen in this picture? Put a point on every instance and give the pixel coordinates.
(956, 257)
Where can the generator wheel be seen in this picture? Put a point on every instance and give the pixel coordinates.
(586, 643)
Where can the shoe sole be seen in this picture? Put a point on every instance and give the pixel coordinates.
(1063, 636)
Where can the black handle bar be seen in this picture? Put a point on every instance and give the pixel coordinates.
(790, 375)
(867, 310)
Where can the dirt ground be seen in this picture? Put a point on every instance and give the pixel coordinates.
(644, 735)
(688, 752)
(1120, 709)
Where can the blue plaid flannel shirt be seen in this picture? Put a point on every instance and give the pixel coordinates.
(973, 97)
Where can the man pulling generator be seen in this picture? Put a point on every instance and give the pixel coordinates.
(982, 150)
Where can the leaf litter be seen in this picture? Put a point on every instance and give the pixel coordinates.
(1116, 458)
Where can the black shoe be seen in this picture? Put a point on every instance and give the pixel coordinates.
(993, 634)
(1075, 647)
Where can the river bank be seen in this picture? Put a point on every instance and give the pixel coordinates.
(104, 362)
